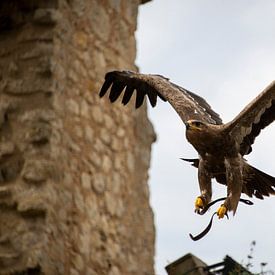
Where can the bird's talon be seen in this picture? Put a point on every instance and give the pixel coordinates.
(222, 211)
(198, 204)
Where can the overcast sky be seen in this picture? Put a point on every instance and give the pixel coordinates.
(225, 52)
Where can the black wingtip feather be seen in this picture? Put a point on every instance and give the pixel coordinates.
(116, 91)
(127, 94)
(139, 98)
(106, 85)
(153, 96)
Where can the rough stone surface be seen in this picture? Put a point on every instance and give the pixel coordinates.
(73, 168)
(45, 16)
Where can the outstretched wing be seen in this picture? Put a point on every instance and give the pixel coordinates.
(188, 105)
(255, 117)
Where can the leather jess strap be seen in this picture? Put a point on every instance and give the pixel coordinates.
(204, 210)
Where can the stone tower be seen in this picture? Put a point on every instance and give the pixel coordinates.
(73, 168)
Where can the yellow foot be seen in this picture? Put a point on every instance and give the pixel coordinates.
(221, 211)
(199, 204)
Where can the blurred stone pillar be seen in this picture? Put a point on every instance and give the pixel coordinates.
(73, 168)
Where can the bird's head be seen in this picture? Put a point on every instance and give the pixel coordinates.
(195, 125)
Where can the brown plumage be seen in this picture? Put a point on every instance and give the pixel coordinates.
(221, 147)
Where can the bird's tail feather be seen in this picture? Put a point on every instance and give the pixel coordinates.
(256, 183)
(195, 162)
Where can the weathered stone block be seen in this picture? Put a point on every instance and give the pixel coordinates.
(99, 183)
(39, 133)
(131, 10)
(78, 263)
(46, 16)
(81, 40)
(37, 50)
(114, 271)
(97, 114)
(105, 136)
(46, 67)
(89, 133)
(11, 168)
(79, 7)
(36, 172)
(32, 205)
(36, 115)
(6, 149)
(86, 181)
(37, 34)
(13, 69)
(5, 192)
(9, 258)
(23, 87)
(100, 21)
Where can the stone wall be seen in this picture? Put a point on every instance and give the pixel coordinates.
(73, 168)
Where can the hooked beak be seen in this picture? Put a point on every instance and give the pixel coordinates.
(187, 125)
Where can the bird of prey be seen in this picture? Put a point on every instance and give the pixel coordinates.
(221, 147)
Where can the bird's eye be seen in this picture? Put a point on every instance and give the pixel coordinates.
(197, 124)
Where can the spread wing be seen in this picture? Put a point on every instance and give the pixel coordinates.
(254, 118)
(187, 104)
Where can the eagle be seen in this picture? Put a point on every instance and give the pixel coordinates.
(221, 146)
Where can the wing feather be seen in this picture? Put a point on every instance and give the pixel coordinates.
(153, 98)
(116, 91)
(254, 118)
(128, 94)
(139, 98)
(257, 183)
(187, 104)
(106, 85)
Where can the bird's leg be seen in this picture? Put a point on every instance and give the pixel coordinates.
(234, 186)
(205, 187)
